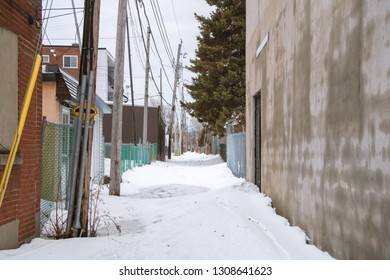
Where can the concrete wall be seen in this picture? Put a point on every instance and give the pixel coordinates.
(8, 87)
(325, 118)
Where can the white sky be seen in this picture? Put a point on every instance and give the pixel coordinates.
(179, 21)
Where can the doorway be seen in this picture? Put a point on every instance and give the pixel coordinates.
(257, 134)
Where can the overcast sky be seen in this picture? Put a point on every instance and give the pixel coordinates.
(178, 18)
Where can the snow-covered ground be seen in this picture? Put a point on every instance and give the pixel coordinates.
(188, 208)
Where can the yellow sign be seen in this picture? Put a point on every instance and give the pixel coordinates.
(92, 111)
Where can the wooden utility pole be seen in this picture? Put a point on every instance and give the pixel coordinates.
(131, 80)
(116, 133)
(161, 127)
(87, 179)
(147, 68)
(173, 101)
(183, 123)
(79, 174)
(161, 98)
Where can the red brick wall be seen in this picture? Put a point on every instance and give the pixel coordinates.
(22, 198)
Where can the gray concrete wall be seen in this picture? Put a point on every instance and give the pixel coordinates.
(9, 235)
(324, 77)
(8, 87)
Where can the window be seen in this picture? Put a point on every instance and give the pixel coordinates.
(70, 61)
(45, 58)
(65, 115)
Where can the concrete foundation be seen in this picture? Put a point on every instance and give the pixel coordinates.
(9, 235)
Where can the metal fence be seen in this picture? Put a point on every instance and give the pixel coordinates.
(56, 157)
(218, 146)
(236, 157)
(134, 155)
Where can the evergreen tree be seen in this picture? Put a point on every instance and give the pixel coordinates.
(218, 89)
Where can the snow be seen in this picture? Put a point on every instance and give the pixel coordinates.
(189, 208)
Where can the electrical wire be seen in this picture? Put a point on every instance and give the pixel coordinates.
(62, 15)
(154, 42)
(163, 31)
(134, 30)
(144, 43)
(174, 13)
(60, 9)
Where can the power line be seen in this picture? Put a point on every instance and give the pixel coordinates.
(62, 15)
(134, 30)
(100, 38)
(60, 9)
(154, 42)
(143, 40)
(161, 27)
(174, 13)
(155, 45)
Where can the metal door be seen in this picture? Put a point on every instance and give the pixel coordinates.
(258, 140)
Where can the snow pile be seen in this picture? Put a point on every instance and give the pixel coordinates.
(190, 207)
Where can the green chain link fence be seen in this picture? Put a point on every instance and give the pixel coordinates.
(134, 156)
(56, 157)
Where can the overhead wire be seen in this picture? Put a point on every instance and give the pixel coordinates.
(158, 53)
(174, 13)
(62, 15)
(134, 30)
(144, 43)
(163, 32)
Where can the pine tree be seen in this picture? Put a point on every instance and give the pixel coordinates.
(218, 89)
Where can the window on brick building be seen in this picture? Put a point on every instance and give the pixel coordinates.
(8, 88)
(45, 58)
(70, 61)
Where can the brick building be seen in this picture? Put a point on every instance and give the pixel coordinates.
(67, 57)
(20, 28)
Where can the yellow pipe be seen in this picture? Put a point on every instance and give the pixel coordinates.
(19, 129)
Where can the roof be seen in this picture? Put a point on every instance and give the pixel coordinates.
(72, 85)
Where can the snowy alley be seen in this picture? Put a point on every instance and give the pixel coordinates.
(190, 207)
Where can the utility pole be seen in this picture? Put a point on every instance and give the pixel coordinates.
(116, 133)
(87, 180)
(131, 80)
(79, 173)
(161, 128)
(161, 98)
(183, 123)
(173, 101)
(145, 129)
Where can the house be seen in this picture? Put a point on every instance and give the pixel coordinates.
(67, 57)
(67, 60)
(20, 29)
(105, 75)
(318, 123)
(55, 95)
